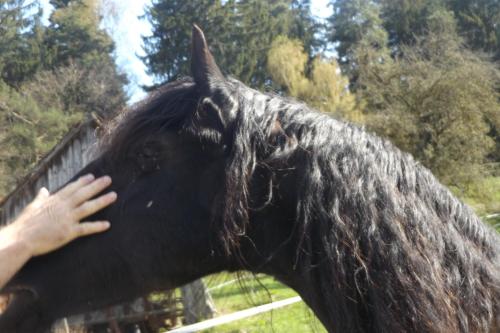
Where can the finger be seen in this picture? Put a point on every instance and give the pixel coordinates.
(90, 190)
(95, 205)
(89, 228)
(43, 194)
(75, 185)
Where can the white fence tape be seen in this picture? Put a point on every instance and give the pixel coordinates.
(235, 316)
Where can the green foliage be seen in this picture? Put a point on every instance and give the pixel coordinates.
(75, 41)
(77, 89)
(26, 133)
(324, 88)
(405, 19)
(50, 77)
(74, 34)
(478, 22)
(20, 39)
(239, 33)
(354, 21)
(435, 101)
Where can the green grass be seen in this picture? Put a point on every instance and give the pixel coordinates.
(484, 198)
(250, 291)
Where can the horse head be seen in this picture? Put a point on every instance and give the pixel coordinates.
(180, 211)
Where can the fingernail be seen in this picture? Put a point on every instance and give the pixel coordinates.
(44, 191)
(106, 179)
(113, 195)
(88, 177)
(106, 224)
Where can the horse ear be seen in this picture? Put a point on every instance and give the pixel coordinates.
(203, 67)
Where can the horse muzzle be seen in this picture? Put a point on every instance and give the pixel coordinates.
(21, 312)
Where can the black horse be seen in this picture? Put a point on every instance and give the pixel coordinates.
(212, 175)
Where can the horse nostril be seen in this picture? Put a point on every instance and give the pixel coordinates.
(7, 296)
(21, 311)
(25, 289)
(4, 302)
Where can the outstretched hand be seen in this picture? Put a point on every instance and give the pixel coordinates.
(51, 221)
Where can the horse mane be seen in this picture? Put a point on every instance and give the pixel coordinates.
(384, 246)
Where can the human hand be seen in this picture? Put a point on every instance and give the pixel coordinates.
(51, 221)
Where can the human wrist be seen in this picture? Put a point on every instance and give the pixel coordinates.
(14, 237)
(12, 240)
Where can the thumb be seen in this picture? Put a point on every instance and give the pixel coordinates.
(43, 193)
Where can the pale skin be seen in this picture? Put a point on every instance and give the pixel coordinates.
(51, 221)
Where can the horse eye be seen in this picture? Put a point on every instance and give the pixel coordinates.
(148, 151)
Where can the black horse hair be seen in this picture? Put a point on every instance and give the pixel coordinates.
(384, 245)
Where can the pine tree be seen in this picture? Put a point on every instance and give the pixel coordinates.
(74, 34)
(52, 76)
(355, 24)
(74, 39)
(239, 33)
(27, 131)
(168, 47)
(478, 22)
(304, 26)
(20, 40)
(405, 19)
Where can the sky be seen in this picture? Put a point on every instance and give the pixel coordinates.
(126, 29)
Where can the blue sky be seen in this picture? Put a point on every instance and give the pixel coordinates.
(126, 29)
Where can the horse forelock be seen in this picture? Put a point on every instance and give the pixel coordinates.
(164, 108)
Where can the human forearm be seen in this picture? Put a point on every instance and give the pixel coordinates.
(13, 255)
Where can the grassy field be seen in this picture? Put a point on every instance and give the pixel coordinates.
(484, 196)
(252, 291)
(485, 199)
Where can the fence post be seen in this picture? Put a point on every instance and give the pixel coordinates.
(197, 302)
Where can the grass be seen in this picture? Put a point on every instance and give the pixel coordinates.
(484, 198)
(252, 291)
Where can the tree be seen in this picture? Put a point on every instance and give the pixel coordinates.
(74, 40)
(41, 100)
(77, 89)
(26, 133)
(436, 101)
(239, 33)
(20, 40)
(353, 21)
(325, 88)
(478, 22)
(405, 19)
(74, 34)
